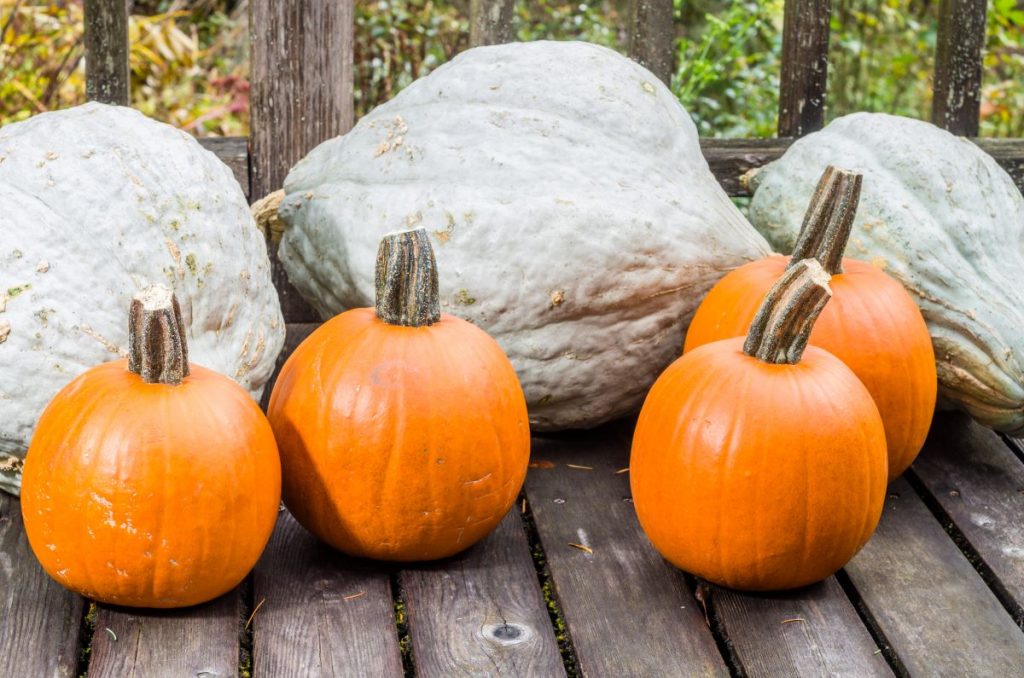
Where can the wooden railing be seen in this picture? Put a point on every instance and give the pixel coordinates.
(302, 72)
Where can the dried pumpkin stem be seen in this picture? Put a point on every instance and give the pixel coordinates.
(157, 350)
(406, 280)
(784, 322)
(829, 219)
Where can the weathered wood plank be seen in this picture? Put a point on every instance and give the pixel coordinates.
(107, 78)
(804, 76)
(490, 22)
(196, 641)
(482, 612)
(628, 612)
(957, 91)
(233, 152)
(979, 483)
(1009, 153)
(730, 159)
(811, 632)
(40, 620)
(652, 36)
(928, 601)
(301, 96)
(318, 613)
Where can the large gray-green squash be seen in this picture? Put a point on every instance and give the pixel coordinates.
(97, 201)
(572, 215)
(941, 216)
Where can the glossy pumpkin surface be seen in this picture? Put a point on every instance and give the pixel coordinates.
(400, 443)
(871, 324)
(758, 476)
(760, 463)
(150, 495)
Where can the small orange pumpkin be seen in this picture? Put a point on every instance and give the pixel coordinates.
(871, 324)
(755, 464)
(150, 482)
(403, 431)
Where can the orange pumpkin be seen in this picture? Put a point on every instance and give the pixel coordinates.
(150, 482)
(403, 431)
(758, 465)
(871, 324)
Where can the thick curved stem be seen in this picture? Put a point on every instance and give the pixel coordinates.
(829, 219)
(406, 280)
(784, 322)
(157, 350)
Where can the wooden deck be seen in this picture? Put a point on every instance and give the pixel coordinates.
(938, 591)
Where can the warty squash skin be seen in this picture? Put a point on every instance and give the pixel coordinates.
(98, 201)
(402, 439)
(567, 199)
(754, 475)
(944, 219)
(871, 324)
(150, 494)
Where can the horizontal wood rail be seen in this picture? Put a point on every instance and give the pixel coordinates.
(729, 159)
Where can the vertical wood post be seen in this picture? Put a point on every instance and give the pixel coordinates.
(652, 36)
(301, 96)
(106, 51)
(804, 67)
(957, 99)
(490, 22)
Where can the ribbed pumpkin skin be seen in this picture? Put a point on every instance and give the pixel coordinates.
(871, 324)
(150, 495)
(400, 443)
(735, 460)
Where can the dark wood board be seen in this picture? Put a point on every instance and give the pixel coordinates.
(811, 632)
(233, 152)
(652, 36)
(804, 77)
(490, 22)
(628, 612)
(107, 78)
(956, 101)
(39, 620)
(482, 612)
(318, 613)
(301, 95)
(979, 483)
(928, 601)
(196, 641)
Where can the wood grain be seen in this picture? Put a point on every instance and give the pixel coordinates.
(811, 632)
(233, 152)
(804, 77)
(490, 22)
(979, 483)
(39, 621)
(107, 78)
(482, 612)
(729, 159)
(319, 613)
(652, 36)
(629, 613)
(301, 96)
(196, 641)
(928, 601)
(957, 91)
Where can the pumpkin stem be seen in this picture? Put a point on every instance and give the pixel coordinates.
(406, 280)
(784, 322)
(157, 350)
(829, 219)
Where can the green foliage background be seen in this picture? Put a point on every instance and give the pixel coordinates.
(190, 57)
